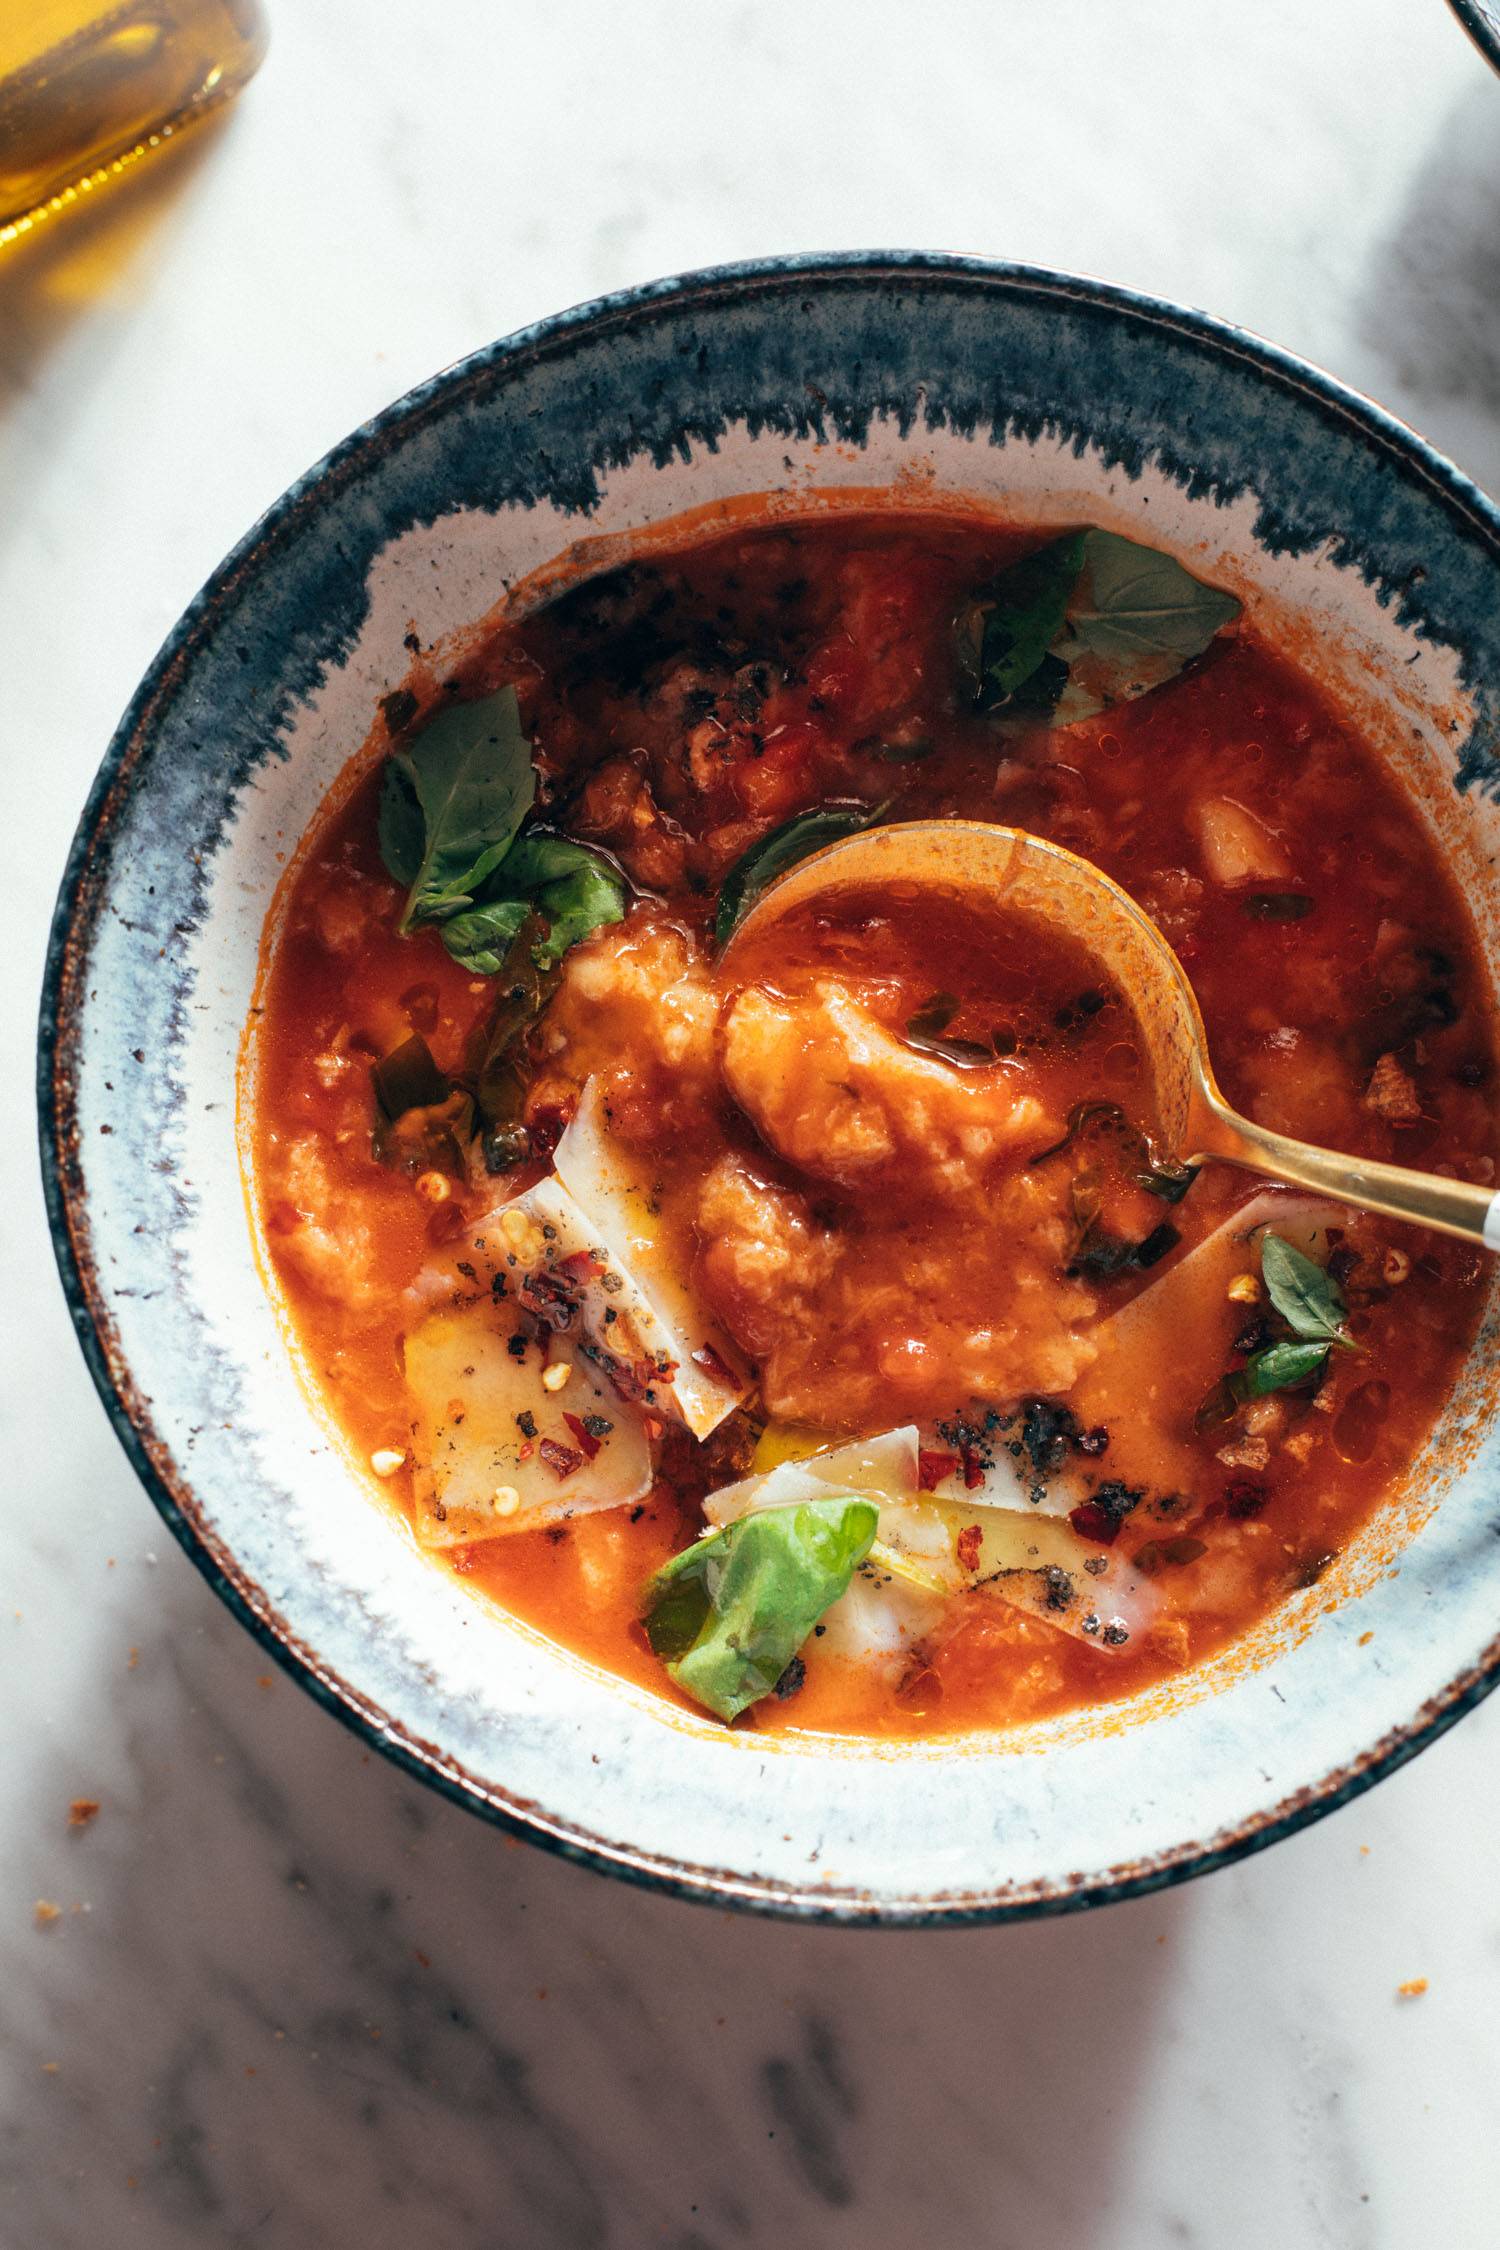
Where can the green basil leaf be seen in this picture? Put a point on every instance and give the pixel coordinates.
(575, 890)
(402, 828)
(1305, 1294)
(797, 838)
(1141, 612)
(1279, 1366)
(1006, 635)
(523, 988)
(727, 1616)
(1086, 622)
(469, 779)
(408, 1078)
(481, 936)
(423, 1121)
(1101, 1256)
(578, 890)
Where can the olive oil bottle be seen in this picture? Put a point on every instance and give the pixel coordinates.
(90, 87)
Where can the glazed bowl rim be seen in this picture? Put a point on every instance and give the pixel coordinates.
(1482, 27)
(74, 912)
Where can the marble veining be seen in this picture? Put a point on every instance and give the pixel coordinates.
(291, 2000)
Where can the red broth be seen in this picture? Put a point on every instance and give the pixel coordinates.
(876, 1273)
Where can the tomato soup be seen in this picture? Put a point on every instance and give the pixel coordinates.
(818, 1332)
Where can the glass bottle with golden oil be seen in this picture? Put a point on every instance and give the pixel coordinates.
(89, 87)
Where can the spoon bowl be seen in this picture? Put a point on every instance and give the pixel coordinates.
(1046, 883)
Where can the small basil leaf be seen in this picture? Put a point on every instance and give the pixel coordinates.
(402, 828)
(1130, 618)
(1136, 609)
(423, 1121)
(578, 890)
(469, 776)
(409, 1078)
(1004, 637)
(795, 839)
(572, 889)
(428, 1140)
(481, 936)
(728, 1615)
(1305, 1294)
(523, 987)
(1279, 1366)
(1221, 1404)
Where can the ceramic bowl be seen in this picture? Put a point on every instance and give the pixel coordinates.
(1051, 399)
(1481, 20)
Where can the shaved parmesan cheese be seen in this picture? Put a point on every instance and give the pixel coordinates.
(1035, 1562)
(1160, 1355)
(1003, 1479)
(1024, 1555)
(479, 1475)
(594, 1253)
(880, 1465)
(879, 1616)
(605, 1180)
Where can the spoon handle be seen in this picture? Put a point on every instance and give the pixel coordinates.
(1427, 1198)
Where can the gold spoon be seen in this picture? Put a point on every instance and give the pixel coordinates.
(1043, 881)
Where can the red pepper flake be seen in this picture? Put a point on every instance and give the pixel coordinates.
(588, 1443)
(973, 1471)
(933, 1467)
(713, 1366)
(524, 1452)
(560, 1459)
(970, 1540)
(581, 1265)
(652, 1425)
(1244, 1498)
(546, 1122)
(1090, 1521)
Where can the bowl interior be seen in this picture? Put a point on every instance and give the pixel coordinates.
(919, 383)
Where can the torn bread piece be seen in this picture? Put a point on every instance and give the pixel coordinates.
(501, 1443)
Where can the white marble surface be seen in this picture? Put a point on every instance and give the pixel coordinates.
(292, 2001)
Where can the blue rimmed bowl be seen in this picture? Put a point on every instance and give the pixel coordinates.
(1043, 397)
(1481, 20)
